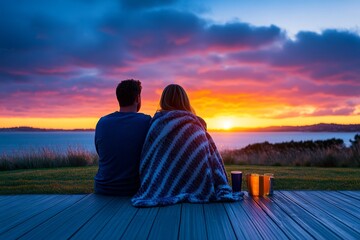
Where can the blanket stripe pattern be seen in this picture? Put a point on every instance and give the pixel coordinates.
(180, 163)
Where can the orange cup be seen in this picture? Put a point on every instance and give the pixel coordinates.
(253, 184)
(268, 188)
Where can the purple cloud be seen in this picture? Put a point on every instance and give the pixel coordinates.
(53, 57)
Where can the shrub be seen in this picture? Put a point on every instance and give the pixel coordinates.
(325, 153)
(47, 158)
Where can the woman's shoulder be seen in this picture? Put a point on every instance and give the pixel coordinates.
(179, 114)
(202, 121)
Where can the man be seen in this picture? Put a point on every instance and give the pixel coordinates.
(119, 138)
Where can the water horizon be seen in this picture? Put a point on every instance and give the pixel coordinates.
(18, 142)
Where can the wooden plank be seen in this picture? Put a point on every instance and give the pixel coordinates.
(340, 202)
(37, 219)
(16, 219)
(14, 202)
(299, 214)
(243, 226)
(23, 202)
(118, 224)
(303, 218)
(347, 199)
(264, 224)
(167, 223)
(6, 199)
(218, 224)
(192, 225)
(335, 226)
(352, 194)
(346, 222)
(140, 225)
(23, 205)
(101, 219)
(281, 219)
(67, 222)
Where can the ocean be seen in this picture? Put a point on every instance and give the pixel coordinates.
(15, 142)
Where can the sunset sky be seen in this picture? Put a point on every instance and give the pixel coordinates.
(244, 63)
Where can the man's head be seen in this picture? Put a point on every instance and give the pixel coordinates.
(128, 93)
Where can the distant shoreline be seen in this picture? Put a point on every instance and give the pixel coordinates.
(31, 129)
(322, 127)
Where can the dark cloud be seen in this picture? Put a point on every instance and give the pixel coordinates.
(154, 33)
(330, 56)
(45, 40)
(241, 35)
(161, 33)
(329, 47)
(143, 4)
(18, 34)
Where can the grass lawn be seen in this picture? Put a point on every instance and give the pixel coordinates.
(74, 180)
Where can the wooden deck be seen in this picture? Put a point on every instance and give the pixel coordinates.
(286, 215)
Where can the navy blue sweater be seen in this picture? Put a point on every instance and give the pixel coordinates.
(119, 138)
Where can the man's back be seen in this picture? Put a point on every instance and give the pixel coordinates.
(119, 138)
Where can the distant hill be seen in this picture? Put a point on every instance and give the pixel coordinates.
(31, 129)
(322, 127)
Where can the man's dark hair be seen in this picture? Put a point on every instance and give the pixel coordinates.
(127, 91)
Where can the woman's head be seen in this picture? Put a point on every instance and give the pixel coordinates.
(174, 97)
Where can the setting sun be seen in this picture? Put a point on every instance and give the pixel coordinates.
(222, 123)
(226, 125)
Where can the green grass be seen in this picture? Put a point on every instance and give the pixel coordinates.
(76, 180)
(70, 180)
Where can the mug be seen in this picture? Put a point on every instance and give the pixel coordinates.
(236, 180)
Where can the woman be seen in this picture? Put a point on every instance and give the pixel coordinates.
(179, 160)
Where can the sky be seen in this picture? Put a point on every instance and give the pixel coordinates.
(243, 63)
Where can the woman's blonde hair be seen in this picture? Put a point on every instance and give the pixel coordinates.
(174, 97)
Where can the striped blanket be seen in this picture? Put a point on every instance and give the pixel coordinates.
(180, 163)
